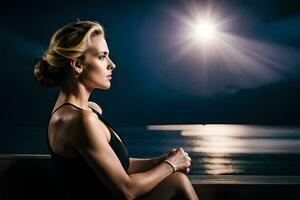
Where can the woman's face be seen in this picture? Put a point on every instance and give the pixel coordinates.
(97, 65)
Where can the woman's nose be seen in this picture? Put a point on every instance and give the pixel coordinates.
(111, 64)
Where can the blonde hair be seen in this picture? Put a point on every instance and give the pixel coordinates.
(68, 42)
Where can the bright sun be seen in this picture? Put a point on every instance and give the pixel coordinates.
(205, 31)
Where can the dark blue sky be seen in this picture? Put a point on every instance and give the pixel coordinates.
(152, 84)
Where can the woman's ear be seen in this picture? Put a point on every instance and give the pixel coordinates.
(76, 66)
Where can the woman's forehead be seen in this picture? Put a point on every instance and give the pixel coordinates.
(97, 45)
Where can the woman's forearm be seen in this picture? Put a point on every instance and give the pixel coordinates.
(138, 165)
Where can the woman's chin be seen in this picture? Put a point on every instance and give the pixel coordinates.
(105, 87)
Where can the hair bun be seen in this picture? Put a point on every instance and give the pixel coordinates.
(44, 75)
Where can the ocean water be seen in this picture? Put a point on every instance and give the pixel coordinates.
(215, 149)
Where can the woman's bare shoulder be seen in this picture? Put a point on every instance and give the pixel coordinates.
(85, 126)
(95, 106)
(63, 127)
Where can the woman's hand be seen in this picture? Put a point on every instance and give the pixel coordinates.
(180, 160)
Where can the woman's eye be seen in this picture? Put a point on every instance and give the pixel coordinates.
(101, 57)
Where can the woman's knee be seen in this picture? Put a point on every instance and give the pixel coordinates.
(180, 180)
(183, 187)
(174, 186)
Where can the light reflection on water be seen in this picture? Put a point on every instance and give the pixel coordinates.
(219, 166)
(214, 149)
(237, 138)
(229, 130)
(239, 149)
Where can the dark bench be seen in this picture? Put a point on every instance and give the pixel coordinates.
(30, 177)
(27, 177)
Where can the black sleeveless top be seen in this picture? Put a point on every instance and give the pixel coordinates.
(76, 178)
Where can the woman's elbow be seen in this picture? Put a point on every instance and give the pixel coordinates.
(130, 190)
(127, 191)
(129, 195)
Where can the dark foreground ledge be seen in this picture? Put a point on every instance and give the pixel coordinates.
(27, 176)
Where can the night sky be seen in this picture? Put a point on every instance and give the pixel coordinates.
(159, 79)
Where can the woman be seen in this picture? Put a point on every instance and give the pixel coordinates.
(88, 154)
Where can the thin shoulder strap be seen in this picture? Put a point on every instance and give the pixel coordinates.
(109, 125)
(67, 103)
(102, 119)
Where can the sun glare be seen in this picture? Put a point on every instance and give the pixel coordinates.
(205, 31)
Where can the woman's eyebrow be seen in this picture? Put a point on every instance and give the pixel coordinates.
(104, 52)
(96, 52)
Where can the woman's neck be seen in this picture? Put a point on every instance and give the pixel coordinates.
(78, 94)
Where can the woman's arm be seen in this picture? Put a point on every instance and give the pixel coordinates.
(137, 165)
(90, 140)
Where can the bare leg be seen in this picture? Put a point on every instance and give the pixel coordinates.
(175, 186)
